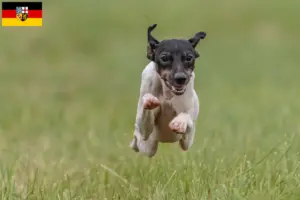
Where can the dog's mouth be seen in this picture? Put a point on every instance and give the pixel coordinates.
(177, 90)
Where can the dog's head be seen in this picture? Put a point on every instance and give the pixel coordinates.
(175, 59)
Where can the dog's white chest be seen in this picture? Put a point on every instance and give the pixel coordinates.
(168, 110)
(179, 103)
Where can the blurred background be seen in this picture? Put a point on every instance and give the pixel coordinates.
(68, 95)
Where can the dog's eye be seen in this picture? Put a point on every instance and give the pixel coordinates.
(164, 58)
(189, 58)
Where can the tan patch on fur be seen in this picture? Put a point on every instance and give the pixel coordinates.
(149, 52)
(164, 74)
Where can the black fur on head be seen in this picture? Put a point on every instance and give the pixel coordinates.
(175, 59)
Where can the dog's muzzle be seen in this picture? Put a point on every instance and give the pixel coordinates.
(177, 90)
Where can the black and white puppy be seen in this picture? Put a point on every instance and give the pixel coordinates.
(168, 105)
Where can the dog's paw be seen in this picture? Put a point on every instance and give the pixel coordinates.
(150, 102)
(178, 125)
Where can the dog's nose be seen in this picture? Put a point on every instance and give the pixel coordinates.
(180, 78)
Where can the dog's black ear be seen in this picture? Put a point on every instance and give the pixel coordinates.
(195, 40)
(152, 43)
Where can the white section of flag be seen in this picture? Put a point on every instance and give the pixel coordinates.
(24, 9)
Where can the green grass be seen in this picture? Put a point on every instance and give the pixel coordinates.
(68, 94)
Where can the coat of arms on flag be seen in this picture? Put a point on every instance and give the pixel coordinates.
(22, 14)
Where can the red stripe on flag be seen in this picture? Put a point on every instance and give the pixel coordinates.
(31, 13)
(35, 13)
(8, 13)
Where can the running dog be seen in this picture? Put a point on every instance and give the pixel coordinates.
(168, 105)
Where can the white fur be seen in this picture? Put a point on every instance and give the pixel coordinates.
(177, 112)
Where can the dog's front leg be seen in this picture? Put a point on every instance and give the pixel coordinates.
(146, 117)
(187, 139)
(144, 139)
(144, 127)
(183, 124)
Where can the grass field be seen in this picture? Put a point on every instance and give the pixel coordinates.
(68, 94)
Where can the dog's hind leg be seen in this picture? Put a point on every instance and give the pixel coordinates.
(147, 147)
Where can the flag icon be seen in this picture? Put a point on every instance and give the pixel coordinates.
(22, 14)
